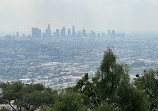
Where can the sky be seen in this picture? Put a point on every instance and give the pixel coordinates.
(99, 15)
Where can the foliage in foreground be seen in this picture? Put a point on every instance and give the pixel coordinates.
(109, 90)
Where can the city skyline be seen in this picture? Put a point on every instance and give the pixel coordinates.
(99, 15)
(37, 33)
(54, 29)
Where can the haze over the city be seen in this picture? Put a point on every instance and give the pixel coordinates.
(99, 15)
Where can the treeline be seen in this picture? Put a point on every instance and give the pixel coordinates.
(110, 90)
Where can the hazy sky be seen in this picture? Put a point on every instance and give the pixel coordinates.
(133, 15)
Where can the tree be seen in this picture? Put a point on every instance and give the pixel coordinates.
(68, 101)
(114, 86)
(149, 84)
(110, 75)
(130, 98)
(104, 106)
(12, 92)
(38, 99)
(27, 96)
(87, 90)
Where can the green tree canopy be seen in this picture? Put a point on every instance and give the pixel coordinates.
(68, 101)
(26, 96)
(114, 85)
(110, 76)
(149, 84)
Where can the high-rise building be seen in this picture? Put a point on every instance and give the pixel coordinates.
(63, 32)
(69, 32)
(57, 33)
(17, 34)
(48, 32)
(98, 34)
(73, 31)
(92, 34)
(79, 34)
(23, 35)
(109, 33)
(84, 33)
(113, 33)
(36, 32)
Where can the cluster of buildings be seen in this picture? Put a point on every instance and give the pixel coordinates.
(112, 33)
(63, 32)
(36, 32)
